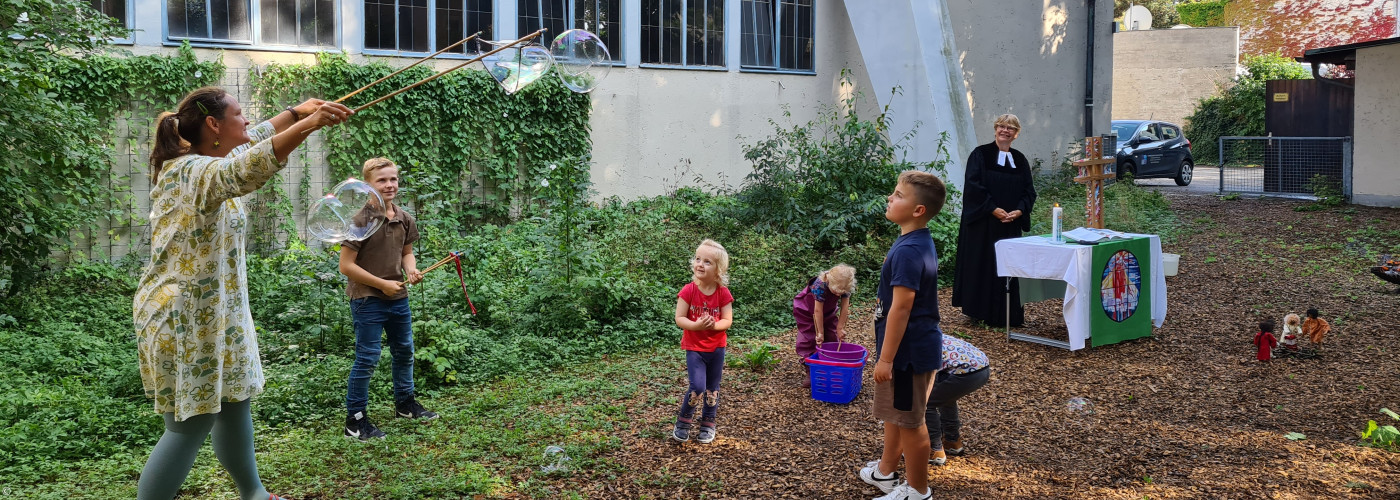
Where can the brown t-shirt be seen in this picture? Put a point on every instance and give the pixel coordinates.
(382, 254)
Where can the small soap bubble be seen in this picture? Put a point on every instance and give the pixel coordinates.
(557, 460)
(1079, 405)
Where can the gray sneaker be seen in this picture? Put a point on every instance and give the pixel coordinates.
(682, 431)
(707, 433)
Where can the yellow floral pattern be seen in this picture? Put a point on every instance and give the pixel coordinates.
(194, 331)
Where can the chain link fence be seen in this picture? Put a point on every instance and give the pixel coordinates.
(1285, 166)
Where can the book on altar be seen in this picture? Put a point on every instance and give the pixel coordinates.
(1091, 235)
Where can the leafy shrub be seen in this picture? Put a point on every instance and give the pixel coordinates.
(827, 180)
(759, 358)
(1238, 108)
(1202, 13)
(68, 361)
(1328, 191)
(1383, 436)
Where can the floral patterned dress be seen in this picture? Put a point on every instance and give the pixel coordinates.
(194, 330)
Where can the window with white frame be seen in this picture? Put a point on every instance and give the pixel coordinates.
(114, 8)
(685, 32)
(404, 25)
(209, 20)
(777, 34)
(601, 17)
(297, 22)
(458, 19)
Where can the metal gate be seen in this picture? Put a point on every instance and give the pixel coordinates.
(1284, 166)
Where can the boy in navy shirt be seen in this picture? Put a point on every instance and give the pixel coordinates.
(908, 341)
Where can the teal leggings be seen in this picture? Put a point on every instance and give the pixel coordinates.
(174, 455)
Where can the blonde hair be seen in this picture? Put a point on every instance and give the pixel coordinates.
(723, 265)
(1291, 319)
(373, 164)
(841, 279)
(1009, 120)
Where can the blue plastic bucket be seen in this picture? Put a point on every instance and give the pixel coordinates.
(835, 381)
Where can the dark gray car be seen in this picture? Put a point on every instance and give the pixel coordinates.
(1153, 149)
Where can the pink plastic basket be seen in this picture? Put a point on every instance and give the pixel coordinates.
(841, 351)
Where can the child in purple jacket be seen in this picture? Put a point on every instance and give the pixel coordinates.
(821, 309)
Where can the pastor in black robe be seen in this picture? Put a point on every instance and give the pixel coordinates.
(976, 287)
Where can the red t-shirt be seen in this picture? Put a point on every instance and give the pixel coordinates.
(701, 304)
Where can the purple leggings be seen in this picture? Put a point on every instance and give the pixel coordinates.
(704, 370)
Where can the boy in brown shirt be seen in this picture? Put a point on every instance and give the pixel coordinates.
(378, 268)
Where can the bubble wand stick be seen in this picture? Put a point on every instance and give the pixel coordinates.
(405, 68)
(457, 258)
(526, 38)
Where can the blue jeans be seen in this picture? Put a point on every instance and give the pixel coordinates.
(704, 370)
(373, 317)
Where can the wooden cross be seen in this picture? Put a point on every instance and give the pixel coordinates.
(1092, 173)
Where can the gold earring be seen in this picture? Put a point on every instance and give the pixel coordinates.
(216, 143)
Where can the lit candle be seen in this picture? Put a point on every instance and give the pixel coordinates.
(1058, 224)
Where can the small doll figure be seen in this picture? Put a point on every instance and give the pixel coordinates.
(1315, 328)
(1265, 341)
(1292, 329)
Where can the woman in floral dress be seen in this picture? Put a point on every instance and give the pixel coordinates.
(195, 340)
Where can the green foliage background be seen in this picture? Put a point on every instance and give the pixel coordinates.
(1238, 109)
(1202, 13)
(58, 96)
(455, 136)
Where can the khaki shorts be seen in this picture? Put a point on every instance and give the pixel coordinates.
(910, 390)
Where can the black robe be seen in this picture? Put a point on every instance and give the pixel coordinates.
(976, 287)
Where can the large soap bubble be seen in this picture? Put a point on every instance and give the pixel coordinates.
(581, 59)
(352, 211)
(515, 67)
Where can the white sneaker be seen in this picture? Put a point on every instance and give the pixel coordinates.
(871, 475)
(906, 492)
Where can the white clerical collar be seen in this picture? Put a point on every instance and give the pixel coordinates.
(1004, 159)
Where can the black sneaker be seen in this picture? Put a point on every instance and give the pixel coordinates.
(359, 427)
(411, 409)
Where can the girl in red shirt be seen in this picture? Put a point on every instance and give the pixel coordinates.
(704, 311)
(1265, 341)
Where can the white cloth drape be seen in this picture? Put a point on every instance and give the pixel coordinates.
(1039, 257)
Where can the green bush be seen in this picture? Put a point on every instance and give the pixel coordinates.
(1237, 109)
(827, 180)
(1202, 13)
(67, 355)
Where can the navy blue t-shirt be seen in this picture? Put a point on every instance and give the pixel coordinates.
(912, 263)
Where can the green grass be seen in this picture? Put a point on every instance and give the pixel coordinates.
(488, 436)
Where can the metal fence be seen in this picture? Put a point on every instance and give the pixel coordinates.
(1285, 166)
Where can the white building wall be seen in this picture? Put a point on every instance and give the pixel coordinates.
(654, 129)
(1376, 153)
(1028, 58)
